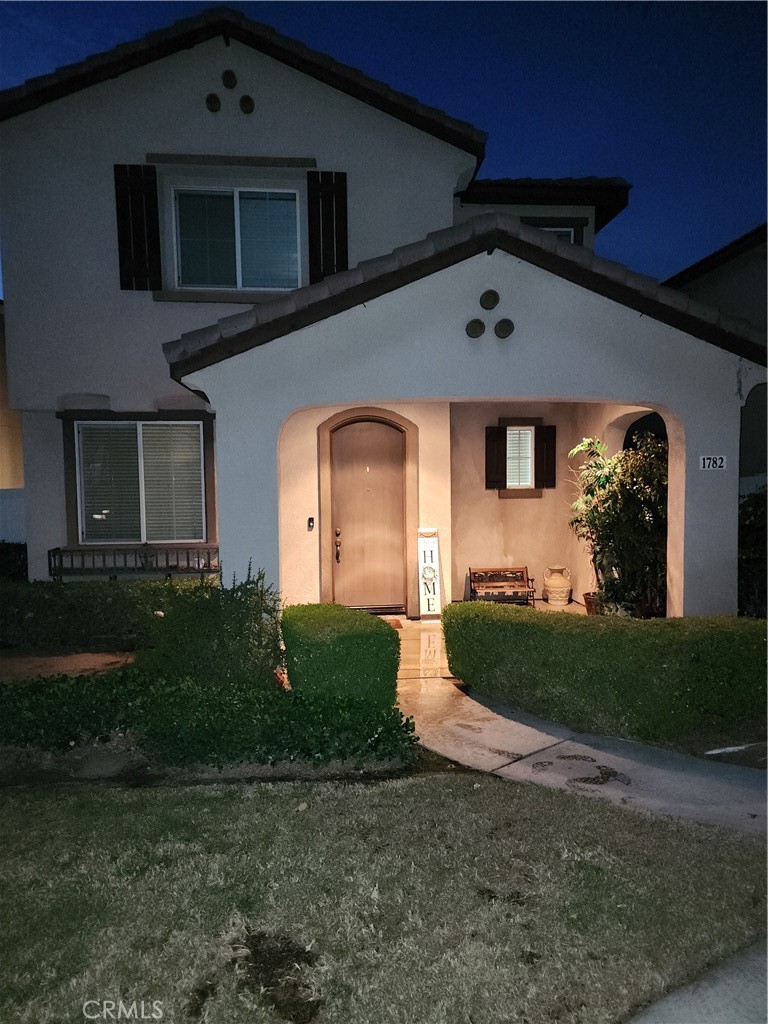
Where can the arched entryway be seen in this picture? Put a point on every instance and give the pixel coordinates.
(368, 468)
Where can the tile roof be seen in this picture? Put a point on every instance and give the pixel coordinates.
(232, 24)
(751, 240)
(266, 321)
(609, 196)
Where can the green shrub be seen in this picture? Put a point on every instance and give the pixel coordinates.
(60, 712)
(216, 633)
(206, 692)
(752, 554)
(333, 650)
(654, 680)
(99, 615)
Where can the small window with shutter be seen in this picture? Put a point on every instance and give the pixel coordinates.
(520, 458)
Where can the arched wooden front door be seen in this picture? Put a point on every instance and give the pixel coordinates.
(367, 521)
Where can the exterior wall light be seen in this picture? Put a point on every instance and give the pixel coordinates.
(503, 328)
(475, 328)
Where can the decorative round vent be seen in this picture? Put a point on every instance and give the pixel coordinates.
(247, 104)
(475, 328)
(229, 79)
(489, 299)
(503, 328)
(213, 102)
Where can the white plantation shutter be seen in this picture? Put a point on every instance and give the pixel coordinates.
(109, 482)
(519, 457)
(141, 482)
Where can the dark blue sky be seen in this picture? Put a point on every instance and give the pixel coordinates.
(669, 95)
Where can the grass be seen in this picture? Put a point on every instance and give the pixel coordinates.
(435, 899)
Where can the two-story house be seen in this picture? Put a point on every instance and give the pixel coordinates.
(261, 309)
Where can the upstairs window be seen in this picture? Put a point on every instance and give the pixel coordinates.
(237, 239)
(140, 482)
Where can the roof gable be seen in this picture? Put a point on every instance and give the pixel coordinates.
(231, 24)
(305, 306)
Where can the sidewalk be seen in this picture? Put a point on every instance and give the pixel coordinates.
(529, 749)
(637, 776)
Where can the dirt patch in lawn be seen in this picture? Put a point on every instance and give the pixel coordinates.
(15, 665)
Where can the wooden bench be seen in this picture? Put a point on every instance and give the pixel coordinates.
(509, 586)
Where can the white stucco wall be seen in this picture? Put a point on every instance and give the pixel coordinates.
(70, 328)
(569, 345)
(298, 467)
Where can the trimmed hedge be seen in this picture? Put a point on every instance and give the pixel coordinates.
(335, 650)
(656, 680)
(99, 615)
(206, 692)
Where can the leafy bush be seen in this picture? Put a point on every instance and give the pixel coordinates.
(220, 634)
(752, 554)
(13, 561)
(206, 691)
(101, 615)
(652, 680)
(333, 650)
(621, 513)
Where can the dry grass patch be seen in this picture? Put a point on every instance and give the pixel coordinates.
(440, 899)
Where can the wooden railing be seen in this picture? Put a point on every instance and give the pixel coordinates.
(147, 560)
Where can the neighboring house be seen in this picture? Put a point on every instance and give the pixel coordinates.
(734, 279)
(209, 187)
(12, 525)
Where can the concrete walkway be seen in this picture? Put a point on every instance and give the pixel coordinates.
(639, 777)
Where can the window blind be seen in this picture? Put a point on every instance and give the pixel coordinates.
(141, 482)
(173, 481)
(268, 242)
(109, 482)
(206, 224)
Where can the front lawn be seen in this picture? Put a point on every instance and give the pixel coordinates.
(435, 899)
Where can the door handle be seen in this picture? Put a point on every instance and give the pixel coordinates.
(338, 546)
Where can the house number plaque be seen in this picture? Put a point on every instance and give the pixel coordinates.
(429, 572)
(712, 462)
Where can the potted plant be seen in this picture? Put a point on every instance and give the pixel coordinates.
(621, 513)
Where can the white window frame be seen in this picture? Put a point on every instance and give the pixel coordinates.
(234, 193)
(531, 431)
(560, 231)
(139, 424)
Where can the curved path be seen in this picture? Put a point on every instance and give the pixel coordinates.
(640, 777)
(489, 738)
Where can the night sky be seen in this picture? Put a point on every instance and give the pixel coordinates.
(670, 96)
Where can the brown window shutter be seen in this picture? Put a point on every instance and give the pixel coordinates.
(327, 223)
(495, 458)
(138, 227)
(544, 456)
